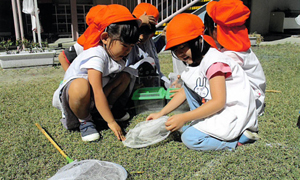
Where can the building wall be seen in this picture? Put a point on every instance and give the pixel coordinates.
(261, 10)
(6, 19)
(102, 1)
(129, 4)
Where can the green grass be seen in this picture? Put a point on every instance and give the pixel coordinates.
(25, 153)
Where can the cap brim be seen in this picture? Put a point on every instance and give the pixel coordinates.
(181, 40)
(234, 38)
(178, 41)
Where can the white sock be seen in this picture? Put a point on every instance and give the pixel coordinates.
(88, 118)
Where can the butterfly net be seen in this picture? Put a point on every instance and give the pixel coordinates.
(147, 133)
(91, 170)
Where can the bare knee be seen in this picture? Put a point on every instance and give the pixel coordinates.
(79, 97)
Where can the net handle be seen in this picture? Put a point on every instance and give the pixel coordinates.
(53, 143)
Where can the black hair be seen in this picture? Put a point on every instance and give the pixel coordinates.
(209, 25)
(127, 32)
(145, 29)
(197, 50)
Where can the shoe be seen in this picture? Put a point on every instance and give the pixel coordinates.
(88, 131)
(120, 114)
(123, 118)
(248, 137)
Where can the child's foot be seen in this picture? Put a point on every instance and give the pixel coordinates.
(88, 131)
(248, 137)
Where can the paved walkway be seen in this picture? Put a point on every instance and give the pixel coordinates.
(294, 39)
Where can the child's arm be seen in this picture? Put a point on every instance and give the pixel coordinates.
(173, 104)
(95, 79)
(216, 104)
(63, 61)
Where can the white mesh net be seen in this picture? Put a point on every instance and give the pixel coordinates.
(147, 133)
(91, 170)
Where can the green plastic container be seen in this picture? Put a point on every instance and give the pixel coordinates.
(183, 107)
(149, 99)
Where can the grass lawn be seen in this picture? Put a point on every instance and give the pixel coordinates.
(25, 153)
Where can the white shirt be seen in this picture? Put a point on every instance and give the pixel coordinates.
(92, 58)
(78, 48)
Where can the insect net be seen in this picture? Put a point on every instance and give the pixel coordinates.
(147, 133)
(91, 170)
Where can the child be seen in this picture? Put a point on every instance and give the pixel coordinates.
(94, 79)
(211, 75)
(143, 58)
(225, 21)
(146, 47)
(67, 56)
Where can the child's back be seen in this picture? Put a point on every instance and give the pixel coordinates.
(225, 21)
(254, 71)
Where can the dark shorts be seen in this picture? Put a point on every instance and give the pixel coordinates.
(70, 121)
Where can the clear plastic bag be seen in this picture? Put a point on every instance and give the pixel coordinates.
(92, 170)
(147, 133)
(28, 7)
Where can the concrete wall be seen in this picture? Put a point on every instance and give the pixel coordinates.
(261, 10)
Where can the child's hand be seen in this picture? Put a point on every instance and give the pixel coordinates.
(154, 116)
(177, 83)
(175, 122)
(117, 130)
(147, 20)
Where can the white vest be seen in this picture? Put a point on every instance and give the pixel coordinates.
(239, 112)
(255, 74)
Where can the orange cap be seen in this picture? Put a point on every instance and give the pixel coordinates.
(150, 10)
(230, 17)
(90, 19)
(185, 27)
(101, 18)
(93, 12)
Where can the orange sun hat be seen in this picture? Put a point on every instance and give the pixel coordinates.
(150, 10)
(93, 12)
(90, 19)
(230, 17)
(185, 27)
(99, 19)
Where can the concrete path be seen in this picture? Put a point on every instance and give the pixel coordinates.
(294, 39)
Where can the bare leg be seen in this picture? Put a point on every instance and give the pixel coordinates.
(117, 87)
(80, 97)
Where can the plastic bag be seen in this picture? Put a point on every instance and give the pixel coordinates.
(28, 7)
(91, 170)
(147, 133)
